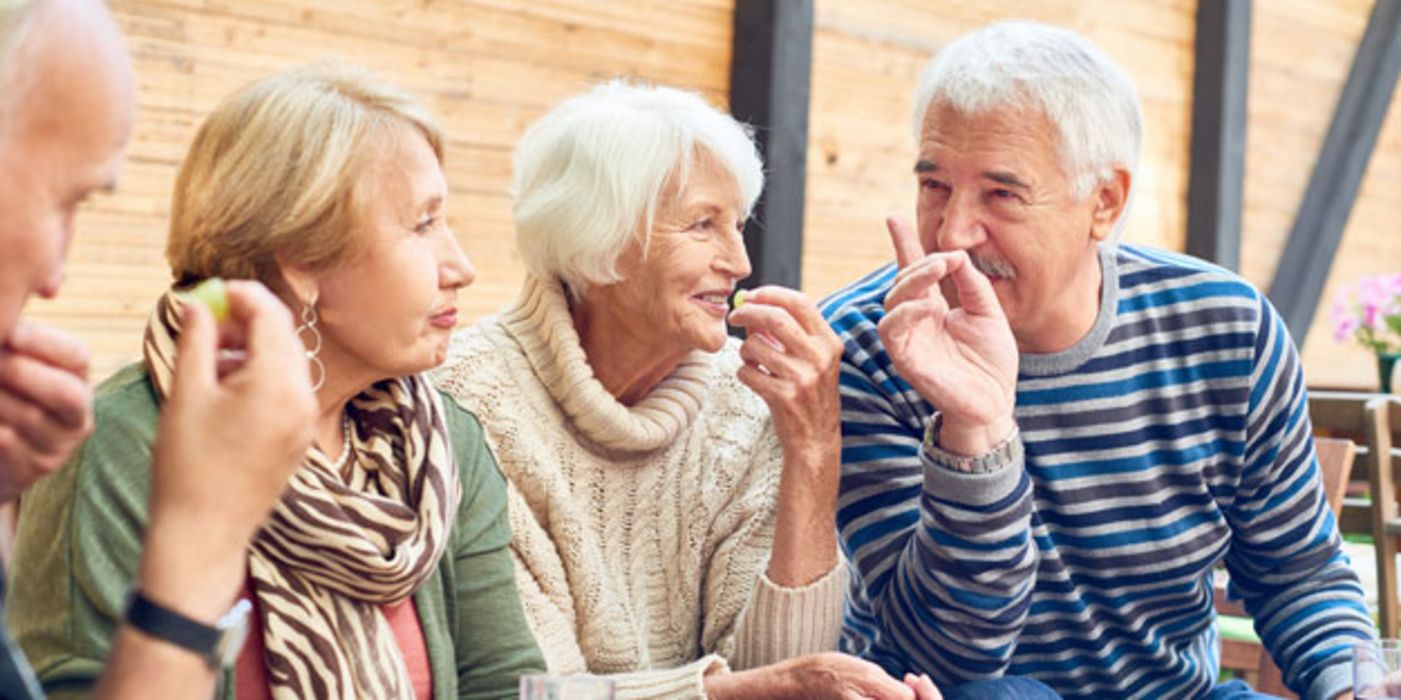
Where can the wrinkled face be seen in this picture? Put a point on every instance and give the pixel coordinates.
(676, 292)
(62, 140)
(992, 184)
(389, 310)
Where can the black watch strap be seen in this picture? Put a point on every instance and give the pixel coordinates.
(167, 625)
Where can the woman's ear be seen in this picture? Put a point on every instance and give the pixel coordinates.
(304, 286)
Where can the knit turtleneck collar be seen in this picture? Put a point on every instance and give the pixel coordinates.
(540, 321)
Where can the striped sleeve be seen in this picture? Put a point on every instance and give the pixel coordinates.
(946, 562)
(1286, 560)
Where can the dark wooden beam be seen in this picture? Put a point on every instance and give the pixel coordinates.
(1337, 174)
(1215, 189)
(770, 75)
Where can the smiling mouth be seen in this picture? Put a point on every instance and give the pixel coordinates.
(718, 303)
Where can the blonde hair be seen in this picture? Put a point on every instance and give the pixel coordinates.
(590, 174)
(273, 172)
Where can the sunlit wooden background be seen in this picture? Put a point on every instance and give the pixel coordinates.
(489, 67)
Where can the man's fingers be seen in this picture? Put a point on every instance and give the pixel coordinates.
(975, 293)
(905, 240)
(196, 349)
(918, 282)
(62, 394)
(269, 335)
(30, 423)
(51, 345)
(924, 687)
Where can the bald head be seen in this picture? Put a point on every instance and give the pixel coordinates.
(67, 107)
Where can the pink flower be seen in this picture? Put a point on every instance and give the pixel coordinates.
(1369, 311)
(1345, 328)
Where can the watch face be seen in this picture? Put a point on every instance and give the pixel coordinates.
(233, 632)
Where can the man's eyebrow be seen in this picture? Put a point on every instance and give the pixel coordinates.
(1006, 178)
(925, 166)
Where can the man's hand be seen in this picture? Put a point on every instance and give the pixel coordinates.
(228, 440)
(963, 360)
(45, 404)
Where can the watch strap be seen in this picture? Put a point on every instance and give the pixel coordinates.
(1006, 452)
(168, 625)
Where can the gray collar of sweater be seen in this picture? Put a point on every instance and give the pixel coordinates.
(1069, 359)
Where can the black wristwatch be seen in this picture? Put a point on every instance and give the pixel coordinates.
(218, 645)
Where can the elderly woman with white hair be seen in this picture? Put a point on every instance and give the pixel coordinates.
(671, 489)
(383, 572)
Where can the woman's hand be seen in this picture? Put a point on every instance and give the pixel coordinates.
(791, 360)
(963, 360)
(827, 676)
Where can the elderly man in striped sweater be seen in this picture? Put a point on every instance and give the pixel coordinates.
(1049, 440)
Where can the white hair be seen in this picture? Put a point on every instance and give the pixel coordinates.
(15, 18)
(1022, 64)
(590, 174)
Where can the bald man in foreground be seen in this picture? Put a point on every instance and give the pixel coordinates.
(220, 463)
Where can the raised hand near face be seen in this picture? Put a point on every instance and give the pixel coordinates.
(961, 359)
(227, 442)
(45, 404)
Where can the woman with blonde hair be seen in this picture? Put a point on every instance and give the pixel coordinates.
(671, 489)
(383, 571)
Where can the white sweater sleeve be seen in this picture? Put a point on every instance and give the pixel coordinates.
(748, 618)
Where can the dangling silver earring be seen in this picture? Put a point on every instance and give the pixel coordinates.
(313, 351)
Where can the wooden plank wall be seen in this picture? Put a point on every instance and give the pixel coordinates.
(486, 68)
(1302, 52)
(867, 58)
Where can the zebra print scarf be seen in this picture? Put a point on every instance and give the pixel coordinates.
(338, 545)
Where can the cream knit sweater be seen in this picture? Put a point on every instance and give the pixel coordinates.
(642, 533)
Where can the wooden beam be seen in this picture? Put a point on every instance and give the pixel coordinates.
(770, 88)
(1215, 189)
(1337, 174)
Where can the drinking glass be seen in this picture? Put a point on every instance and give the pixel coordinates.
(1376, 669)
(544, 686)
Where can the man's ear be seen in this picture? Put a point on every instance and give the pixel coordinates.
(1110, 199)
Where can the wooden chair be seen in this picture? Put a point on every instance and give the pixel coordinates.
(1374, 422)
(1241, 651)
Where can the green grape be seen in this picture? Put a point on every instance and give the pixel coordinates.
(212, 294)
(739, 298)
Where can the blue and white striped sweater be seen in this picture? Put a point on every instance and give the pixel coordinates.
(1172, 437)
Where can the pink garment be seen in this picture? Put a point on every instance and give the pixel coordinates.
(251, 672)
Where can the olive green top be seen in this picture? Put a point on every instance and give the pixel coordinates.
(79, 546)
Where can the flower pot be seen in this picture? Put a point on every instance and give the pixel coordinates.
(1386, 363)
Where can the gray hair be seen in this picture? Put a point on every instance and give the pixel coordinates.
(15, 18)
(1022, 64)
(590, 174)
